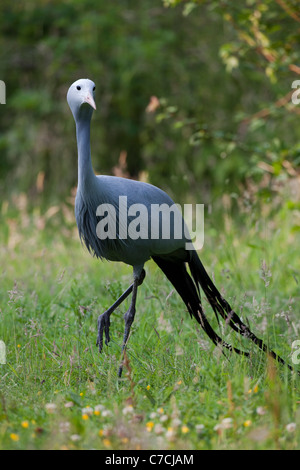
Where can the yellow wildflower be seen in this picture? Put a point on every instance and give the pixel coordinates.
(255, 390)
(106, 442)
(149, 425)
(14, 437)
(184, 429)
(148, 387)
(85, 417)
(97, 413)
(25, 424)
(247, 423)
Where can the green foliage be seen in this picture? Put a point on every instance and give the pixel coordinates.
(260, 55)
(131, 51)
(219, 70)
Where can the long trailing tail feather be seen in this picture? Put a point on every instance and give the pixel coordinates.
(221, 307)
(188, 290)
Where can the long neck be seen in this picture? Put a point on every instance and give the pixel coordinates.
(85, 169)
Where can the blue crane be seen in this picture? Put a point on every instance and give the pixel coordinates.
(169, 253)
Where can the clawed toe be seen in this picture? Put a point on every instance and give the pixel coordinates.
(103, 328)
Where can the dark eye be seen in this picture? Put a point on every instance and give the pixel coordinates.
(78, 87)
(94, 88)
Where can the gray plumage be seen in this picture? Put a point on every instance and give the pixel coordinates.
(170, 253)
(107, 190)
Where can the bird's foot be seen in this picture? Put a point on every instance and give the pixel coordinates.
(103, 327)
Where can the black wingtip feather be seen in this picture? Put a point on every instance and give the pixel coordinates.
(189, 289)
(221, 307)
(177, 274)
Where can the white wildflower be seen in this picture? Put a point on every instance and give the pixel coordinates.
(99, 407)
(128, 410)
(290, 427)
(260, 410)
(199, 428)
(226, 423)
(218, 427)
(170, 434)
(176, 422)
(158, 429)
(164, 418)
(50, 407)
(64, 426)
(69, 404)
(87, 411)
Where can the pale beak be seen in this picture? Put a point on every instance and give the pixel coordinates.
(90, 100)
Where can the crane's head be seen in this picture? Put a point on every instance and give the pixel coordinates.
(80, 98)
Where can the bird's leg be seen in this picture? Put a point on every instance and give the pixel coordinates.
(130, 314)
(104, 319)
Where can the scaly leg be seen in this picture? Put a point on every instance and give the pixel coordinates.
(104, 319)
(130, 314)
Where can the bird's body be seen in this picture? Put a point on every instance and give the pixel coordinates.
(102, 198)
(109, 190)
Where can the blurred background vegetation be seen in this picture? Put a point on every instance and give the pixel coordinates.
(193, 96)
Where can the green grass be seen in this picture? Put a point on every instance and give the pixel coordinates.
(178, 391)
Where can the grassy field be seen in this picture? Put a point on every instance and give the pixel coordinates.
(178, 391)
